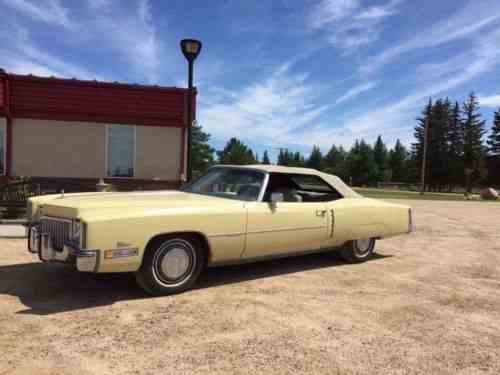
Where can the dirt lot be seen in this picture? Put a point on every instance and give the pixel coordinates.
(428, 303)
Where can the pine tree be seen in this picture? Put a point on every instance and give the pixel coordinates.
(473, 141)
(361, 163)
(265, 158)
(284, 157)
(437, 172)
(494, 137)
(335, 162)
(315, 160)
(297, 160)
(397, 162)
(236, 152)
(202, 155)
(417, 148)
(455, 138)
(380, 157)
(494, 150)
(437, 147)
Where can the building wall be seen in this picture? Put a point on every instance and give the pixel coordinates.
(158, 153)
(58, 149)
(44, 148)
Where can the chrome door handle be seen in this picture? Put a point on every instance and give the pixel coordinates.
(320, 212)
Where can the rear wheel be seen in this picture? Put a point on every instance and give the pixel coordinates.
(358, 251)
(171, 265)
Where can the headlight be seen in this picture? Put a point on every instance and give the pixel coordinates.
(78, 232)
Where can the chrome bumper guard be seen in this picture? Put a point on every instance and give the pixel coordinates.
(41, 244)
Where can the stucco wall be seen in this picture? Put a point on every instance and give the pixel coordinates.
(78, 149)
(58, 148)
(158, 153)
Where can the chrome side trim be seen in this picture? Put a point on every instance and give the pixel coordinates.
(285, 229)
(237, 234)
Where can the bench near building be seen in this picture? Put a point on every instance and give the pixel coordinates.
(68, 133)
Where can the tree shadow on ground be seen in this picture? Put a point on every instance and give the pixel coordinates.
(49, 289)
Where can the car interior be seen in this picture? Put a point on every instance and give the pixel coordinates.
(300, 188)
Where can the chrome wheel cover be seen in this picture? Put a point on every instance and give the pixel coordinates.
(363, 247)
(174, 262)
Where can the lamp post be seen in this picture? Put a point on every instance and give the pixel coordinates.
(190, 49)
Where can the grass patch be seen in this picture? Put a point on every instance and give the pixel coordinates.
(399, 194)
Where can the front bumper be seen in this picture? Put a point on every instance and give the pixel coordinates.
(41, 244)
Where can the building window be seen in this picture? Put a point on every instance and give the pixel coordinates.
(120, 150)
(2, 148)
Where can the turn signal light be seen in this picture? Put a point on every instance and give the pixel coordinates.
(121, 253)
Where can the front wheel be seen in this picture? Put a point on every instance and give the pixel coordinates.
(358, 251)
(171, 265)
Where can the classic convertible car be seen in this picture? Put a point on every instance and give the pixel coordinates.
(232, 214)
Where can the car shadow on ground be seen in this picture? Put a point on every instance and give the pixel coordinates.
(49, 289)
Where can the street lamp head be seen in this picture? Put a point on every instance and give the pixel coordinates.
(190, 48)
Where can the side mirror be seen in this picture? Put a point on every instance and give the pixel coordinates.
(275, 198)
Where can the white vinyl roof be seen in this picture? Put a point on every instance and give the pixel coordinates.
(333, 180)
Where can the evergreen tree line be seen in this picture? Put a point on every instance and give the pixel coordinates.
(460, 153)
(457, 155)
(363, 164)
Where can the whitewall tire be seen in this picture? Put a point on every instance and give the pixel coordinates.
(358, 251)
(171, 265)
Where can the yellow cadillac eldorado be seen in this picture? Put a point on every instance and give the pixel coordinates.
(232, 214)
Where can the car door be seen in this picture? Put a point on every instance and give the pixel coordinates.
(285, 227)
(353, 218)
(340, 221)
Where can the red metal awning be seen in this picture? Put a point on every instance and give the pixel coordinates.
(93, 101)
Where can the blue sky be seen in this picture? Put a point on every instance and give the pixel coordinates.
(279, 73)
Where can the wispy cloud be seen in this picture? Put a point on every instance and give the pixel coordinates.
(264, 110)
(128, 31)
(286, 110)
(466, 22)
(132, 34)
(395, 120)
(19, 54)
(326, 12)
(47, 11)
(355, 91)
(492, 101)
(348, 24)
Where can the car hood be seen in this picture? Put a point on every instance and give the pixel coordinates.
(101, 204)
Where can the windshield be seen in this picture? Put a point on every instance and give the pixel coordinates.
(233, 183)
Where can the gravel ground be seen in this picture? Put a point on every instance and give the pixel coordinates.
(428, 303)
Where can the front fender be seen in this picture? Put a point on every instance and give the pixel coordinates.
(224, 232)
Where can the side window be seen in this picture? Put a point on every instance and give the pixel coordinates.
(120, 151)
(300, 188)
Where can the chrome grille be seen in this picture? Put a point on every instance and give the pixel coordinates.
(58, 229)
